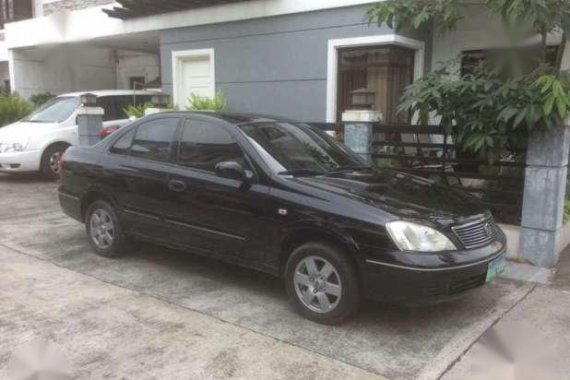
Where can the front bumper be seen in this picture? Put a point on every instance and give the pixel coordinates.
(432, 282)
(18, 162)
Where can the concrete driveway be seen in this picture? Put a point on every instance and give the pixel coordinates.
(103, 309)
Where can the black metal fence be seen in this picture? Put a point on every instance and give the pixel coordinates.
(426, 150)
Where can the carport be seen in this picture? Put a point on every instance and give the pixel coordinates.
(118, 62)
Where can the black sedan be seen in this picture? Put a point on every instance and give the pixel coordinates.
(284, 198)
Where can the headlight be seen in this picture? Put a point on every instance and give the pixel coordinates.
(415, 237)
(15, 147)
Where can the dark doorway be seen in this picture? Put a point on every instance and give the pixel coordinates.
(384, 70)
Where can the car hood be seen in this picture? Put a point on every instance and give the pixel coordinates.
(23, 130)
(402, 195)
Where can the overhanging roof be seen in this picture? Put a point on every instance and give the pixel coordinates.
(140, 8)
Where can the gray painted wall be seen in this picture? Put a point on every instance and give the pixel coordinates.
(275, 65)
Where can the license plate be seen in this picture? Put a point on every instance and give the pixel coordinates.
(495, 268)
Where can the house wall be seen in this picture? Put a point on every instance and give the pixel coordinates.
(65, 69)
(275, 65)
(78, 67)
(136, 64)
(478, 30)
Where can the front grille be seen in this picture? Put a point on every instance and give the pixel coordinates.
(476, 234)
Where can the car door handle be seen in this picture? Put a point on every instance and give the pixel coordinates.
(177, 186)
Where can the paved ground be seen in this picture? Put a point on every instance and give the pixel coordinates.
(159, 313)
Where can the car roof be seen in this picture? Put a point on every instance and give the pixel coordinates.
(114, 92)
(236, 117)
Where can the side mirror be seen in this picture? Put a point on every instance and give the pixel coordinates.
(233, 170)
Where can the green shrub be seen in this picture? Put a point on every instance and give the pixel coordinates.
(136, 111)
(216, 103)
(40, 99)
(13, 108)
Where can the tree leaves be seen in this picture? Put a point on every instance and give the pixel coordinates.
(489, 114)
(555, 96)
(445, 14)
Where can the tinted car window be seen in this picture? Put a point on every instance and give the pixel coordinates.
(289, 146)
(114, 106)
(203, 145)
(123, 145)
(153, 139)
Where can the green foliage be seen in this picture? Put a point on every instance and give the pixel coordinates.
(521, 18)
(534, 16)
(496, 108)
(13, 108)
(490, 114)
(40, 99)
(136, 111)
(216, 103)
(404, 14)
(555, 96)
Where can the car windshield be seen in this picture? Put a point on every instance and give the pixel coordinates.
(56, 110)
(295, 148)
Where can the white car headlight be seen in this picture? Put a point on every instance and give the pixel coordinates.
(416, 237)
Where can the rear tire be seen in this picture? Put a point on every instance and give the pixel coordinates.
(104, 230)
(322, 283)
(49, 165)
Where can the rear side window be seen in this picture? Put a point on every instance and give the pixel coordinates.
(203, 145)
(151, 140)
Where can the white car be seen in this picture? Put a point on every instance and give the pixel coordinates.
(36, 143)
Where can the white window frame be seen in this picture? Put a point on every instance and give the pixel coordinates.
(180, 55)
(378, 40)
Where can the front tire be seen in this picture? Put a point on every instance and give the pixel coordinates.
(49, 165)
(322, 283)
(104, 230)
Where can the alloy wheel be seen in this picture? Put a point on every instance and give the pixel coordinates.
(102, 229)
(317, 284)
(54, 162)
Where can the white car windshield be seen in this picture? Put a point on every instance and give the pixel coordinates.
(56, 110)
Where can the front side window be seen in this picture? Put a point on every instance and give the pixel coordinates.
(153, 139)
(293, 147)
(55, 110)
(203, 145)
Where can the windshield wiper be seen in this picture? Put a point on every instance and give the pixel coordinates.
(348, 168)
(301, 172)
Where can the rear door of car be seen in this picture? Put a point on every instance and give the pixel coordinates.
(136, 173)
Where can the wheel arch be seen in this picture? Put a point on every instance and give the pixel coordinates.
(91, 195)
(297, 236)
(49, 144)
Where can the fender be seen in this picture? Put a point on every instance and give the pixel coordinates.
(320, 228)
(96, 189)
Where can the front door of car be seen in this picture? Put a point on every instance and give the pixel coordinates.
(215, 215)
(137, 175)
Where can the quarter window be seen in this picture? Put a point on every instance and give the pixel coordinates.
(203, 145)
(153, 139)
(123, 145)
